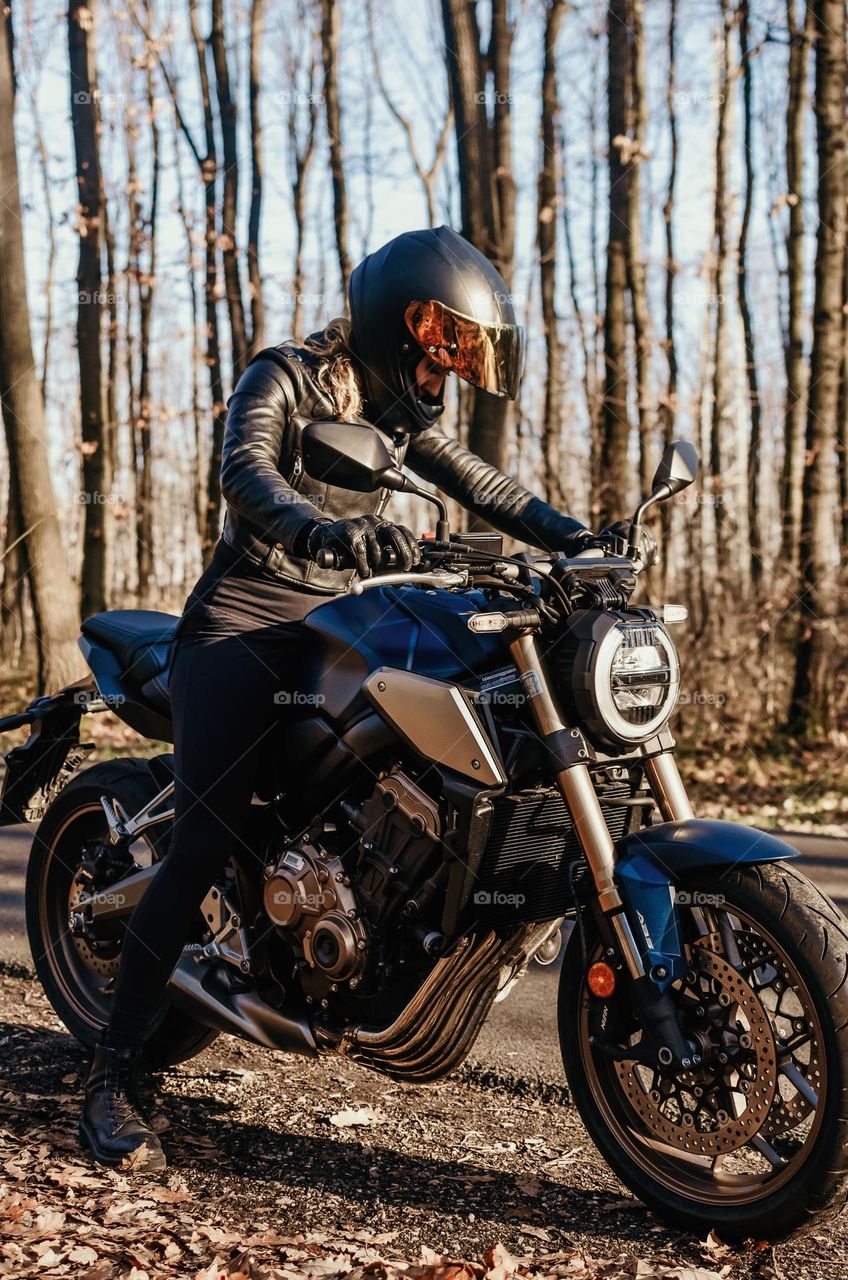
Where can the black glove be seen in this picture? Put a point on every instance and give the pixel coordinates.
(362, 541)
(615, 539)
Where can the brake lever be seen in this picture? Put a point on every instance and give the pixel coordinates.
(433, 578)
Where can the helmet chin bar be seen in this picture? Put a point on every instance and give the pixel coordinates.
(415, 410)
(421, 409)
(430, 408)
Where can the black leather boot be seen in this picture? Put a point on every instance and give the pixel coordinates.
(110, 1126)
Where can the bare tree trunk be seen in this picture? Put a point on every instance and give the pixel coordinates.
(53, 596)
(254, 274)
(717, 457)
(143, 445)
(810, 711)
(95, 476)
(590, 387)
(486, 179)
(616, 424)
(755, 444)
(637, 125)
(467, 79)
(302, 133)
(546, 232)
(842, 415)
(110, 398)
(228, 116)
(12, 592)
(699, 593)
(596, 443)
(499, 56)
(330, 34)
(793, 432)
(668, 412)
(196, 348)
(50, 218)
(208, 165)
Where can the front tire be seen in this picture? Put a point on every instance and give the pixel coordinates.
(796, 942)
(77, 979)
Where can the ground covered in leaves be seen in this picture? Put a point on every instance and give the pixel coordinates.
(292, 1169)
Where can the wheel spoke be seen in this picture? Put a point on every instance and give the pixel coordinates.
(728, 938)
(765, 1149)
(794, 1076)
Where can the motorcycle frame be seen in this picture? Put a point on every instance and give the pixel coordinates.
(634, 881)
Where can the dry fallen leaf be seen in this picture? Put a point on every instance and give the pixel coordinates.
(500, 1263)
(352, 1118)
(82, 1253)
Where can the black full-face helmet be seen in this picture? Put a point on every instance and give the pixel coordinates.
(433, 292)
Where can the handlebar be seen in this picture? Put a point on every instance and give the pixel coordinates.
(454, 566)
(331, 558)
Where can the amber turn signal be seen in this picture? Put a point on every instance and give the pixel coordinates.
(601, 980)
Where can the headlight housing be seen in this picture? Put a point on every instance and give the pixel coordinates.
(618, 673)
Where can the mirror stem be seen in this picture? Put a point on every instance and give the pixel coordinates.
(659, 494)
(396, 479)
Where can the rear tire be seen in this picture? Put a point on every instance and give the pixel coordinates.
(72, 976)
(813, 934)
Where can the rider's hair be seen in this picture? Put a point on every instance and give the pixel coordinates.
(336, 374)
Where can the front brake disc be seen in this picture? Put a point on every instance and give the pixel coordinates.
(717, 1107)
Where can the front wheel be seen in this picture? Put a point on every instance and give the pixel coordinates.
(754, 1142)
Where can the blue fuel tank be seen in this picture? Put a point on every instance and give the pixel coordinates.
(409, 628)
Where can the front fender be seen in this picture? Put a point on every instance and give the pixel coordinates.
(651, 862)
(700, 843)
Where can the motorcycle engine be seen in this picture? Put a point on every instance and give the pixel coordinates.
(308, 895)
(399, 847)
(334, 911)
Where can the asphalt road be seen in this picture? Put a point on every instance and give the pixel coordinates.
(519, 1044)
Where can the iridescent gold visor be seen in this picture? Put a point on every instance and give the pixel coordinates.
(490, 356)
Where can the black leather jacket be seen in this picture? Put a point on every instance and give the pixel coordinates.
(271, 500)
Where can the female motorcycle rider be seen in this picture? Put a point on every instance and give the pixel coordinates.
(426, 304)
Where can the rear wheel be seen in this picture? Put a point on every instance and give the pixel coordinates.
(78, 970)
(754, 1142)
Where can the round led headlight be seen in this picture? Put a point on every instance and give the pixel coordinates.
(637, 679)
(620, 675)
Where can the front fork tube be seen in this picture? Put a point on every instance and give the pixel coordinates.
(668, 788)
(578, 792)
(664, 1039)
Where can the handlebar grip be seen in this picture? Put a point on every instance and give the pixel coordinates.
(331, 558)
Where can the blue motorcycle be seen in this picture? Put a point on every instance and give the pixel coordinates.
(479, 751)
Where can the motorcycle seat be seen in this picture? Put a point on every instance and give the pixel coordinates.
(141, 641)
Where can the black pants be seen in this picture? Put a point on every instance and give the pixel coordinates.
(236, 650)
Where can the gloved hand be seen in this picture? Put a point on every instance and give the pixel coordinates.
(362, 541)
(615, 539)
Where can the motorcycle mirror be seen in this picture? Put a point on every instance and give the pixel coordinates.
(356, 457)
(348, 456)
(678, 467)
